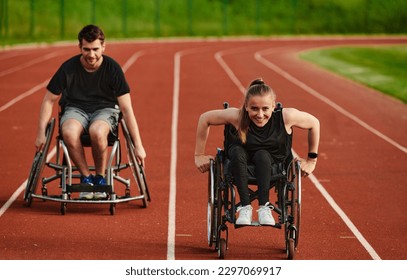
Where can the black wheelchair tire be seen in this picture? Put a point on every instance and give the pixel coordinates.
(137, 169)
(38, 165)
(211, 214)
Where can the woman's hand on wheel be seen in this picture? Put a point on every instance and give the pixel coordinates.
(307, 166)
(202, 162)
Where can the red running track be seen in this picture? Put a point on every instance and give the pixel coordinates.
(352, 208)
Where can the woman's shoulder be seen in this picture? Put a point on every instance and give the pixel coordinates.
(222, 116)
(287, 112)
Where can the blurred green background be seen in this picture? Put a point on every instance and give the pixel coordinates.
(51, 20)
(27, 21)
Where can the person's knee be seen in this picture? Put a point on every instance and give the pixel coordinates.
(263, 158)
(238, 154)
(71, 131)
(98, 132)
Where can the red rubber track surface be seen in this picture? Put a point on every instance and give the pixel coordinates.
(363, 171)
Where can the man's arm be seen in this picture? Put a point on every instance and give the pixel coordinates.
(128, 115)
(45, 116)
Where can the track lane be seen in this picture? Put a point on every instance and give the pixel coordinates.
(342, 235)
(95, 234)
(124, 235)
(245, 243)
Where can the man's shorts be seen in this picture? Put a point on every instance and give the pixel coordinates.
(109, 115)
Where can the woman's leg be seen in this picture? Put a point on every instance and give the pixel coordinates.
(263, 161)
(238, 163)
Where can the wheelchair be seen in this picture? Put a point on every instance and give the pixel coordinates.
(64, 175)
(222, 205)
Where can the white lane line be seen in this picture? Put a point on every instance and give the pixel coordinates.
(316, 183)
(132, 60)
(173, 162)
(174, 152)
(258, 56)
(29, 63)
(232, 76)
(344, 217)
(23, 95)
(21, 188)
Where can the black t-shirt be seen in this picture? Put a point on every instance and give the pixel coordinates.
(89, 91)
(272, 137)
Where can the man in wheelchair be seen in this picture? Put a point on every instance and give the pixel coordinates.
(94, 92)
(259, 135)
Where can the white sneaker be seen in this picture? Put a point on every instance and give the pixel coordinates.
(86, 195)
(100, 195)
(265, 217)
(245, 215)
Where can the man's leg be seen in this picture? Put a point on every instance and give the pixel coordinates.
(71, 132)
(98, 132)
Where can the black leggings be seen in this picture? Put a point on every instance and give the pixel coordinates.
(239, 159)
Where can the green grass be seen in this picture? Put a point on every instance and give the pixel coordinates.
(24, 21)
(381, 68)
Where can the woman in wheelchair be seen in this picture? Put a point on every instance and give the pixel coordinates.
(93, 89)
(260, 135)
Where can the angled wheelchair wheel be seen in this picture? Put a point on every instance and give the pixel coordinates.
(296, 212)
(38, 164)
(212, 205)
(222, 248)
(137, 169)
(293, 209)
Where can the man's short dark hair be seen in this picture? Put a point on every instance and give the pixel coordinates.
(91, 33)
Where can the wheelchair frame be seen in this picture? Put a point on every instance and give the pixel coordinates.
(222, 205)
(65, 172)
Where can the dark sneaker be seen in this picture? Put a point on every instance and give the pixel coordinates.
(88, 180)
(99, 180)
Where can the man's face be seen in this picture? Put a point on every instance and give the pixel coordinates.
(92, 53)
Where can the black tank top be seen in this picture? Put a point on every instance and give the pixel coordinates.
(272, 137)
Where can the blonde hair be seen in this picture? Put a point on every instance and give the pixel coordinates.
(256, 87)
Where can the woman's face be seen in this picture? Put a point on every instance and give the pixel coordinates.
(260, 108)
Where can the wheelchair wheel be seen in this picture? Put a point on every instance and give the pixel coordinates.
(38, 164)
(212, 223)
(222, 248)
(290, 248)
(297, 201)
(137, 169)
(293, 209)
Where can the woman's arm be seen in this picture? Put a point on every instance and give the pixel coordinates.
(303, 120)
(207, 119)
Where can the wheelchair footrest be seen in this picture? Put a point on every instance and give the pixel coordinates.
(257, 224)
(88, 188)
